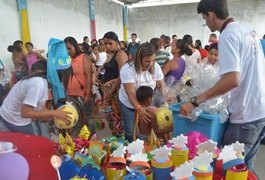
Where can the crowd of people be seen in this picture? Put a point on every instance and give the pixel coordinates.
(107, 73)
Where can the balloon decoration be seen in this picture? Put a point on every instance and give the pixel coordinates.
(13, 166)
(68, 107)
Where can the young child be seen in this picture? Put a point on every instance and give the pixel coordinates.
(213, 54)
(144, 95)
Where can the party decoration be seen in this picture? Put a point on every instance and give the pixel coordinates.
(68, 107)
(56, 163)
(138, 157)
(208, 146)
(239, 148)
(13, 166)
(84, 133)
(227, 154)
(119, 152)
(78, 178)
(68, 168)
(135, 147)
(202, 161)
(162, 154)
(100, 124)
(184, 171)
(179, 141)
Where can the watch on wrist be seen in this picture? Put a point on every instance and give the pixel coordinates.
(194, 102)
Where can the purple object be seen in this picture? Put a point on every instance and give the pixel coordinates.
(13, 166)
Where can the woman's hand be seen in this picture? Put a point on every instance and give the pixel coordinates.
(144, 115)
(64, 116)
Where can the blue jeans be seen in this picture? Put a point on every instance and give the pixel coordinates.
(41, 128)
(127, 116)
(250, 134)
(27, 129)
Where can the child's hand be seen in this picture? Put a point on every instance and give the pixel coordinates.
(65, 116)
(144, 115)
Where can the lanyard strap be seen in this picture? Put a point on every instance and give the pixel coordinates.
(226, 23)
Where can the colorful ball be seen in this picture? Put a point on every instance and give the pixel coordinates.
(164, 118)
(74, 117)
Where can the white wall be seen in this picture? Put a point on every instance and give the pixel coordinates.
(58, 19)
(183, 19)
(9, 31)
(108, 18)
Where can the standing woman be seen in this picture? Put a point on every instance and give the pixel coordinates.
(142, 70)
(174, 69)
(32, 56)
(111, 79)
(79, 88)
(19, 60)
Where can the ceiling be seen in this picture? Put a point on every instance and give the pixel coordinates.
(145, 3)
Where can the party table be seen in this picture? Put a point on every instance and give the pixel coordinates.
(37, 151)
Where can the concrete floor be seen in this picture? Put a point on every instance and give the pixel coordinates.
(259, 163)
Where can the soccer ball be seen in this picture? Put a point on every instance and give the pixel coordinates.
(74, 117)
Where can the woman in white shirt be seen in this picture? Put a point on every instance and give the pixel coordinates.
(142, 70)
(26, 102)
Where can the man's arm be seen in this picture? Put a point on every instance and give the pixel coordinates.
(228, 82)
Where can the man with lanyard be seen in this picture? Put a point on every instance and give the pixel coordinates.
(242, 72)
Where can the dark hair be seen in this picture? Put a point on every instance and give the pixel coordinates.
(263, 36)
(65, 75)
(166, 39)
(15, 46)
(213, 35)
(144, 50)
(188, 39)
(199, 43)
(73, 42)
(134, 34)
(84, 38)
(29, 43)
(218, 7)
(162, 36)
(38, 69)
(213, 46)
(184, 49)
(206, 47)
(174, 35)
(156, 43)
(143, 93)
(111, 35)
(86, 48)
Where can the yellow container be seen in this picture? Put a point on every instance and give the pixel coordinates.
(179, 156)
(231, 175)
(117, 174)
(203, 175)
(144, 168)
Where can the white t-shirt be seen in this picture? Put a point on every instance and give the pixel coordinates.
(102, 58)
(129, 75)
(32, 92)
(240, 51)
(193, 59)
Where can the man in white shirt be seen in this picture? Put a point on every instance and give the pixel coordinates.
(242, 72)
